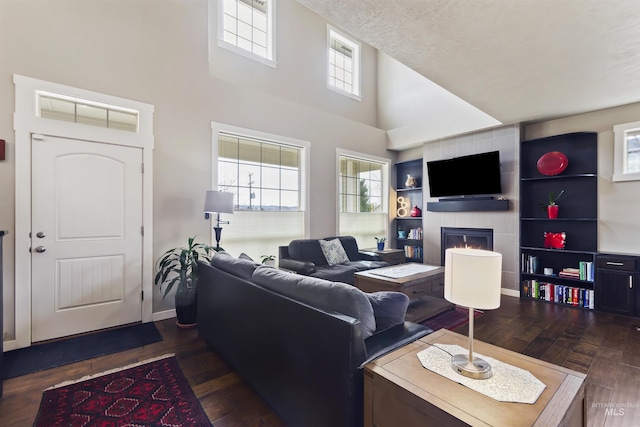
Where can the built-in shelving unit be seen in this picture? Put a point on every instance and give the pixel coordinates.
(578, 219)
(406, 199)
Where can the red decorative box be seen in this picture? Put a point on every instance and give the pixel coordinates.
(554, 240)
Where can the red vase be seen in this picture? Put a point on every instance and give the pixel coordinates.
(552, 210)
(416, 212)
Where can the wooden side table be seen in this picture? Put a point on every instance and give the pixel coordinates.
(399, 391)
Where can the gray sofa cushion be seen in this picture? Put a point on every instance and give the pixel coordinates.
(389, 308)
(332, 296)
(240, 267)
(335, 273)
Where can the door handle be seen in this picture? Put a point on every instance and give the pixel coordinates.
(40, 249)
(41, 234)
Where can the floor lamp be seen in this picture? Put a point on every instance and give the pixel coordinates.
(472, 278)
(218, 202)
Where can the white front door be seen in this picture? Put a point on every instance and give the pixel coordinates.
(86, 237)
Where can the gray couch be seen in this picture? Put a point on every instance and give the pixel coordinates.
(305, 256)
(300, 342)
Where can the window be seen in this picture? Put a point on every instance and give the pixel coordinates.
(247, 27)
(344, 64)
(363, 197)
(268, 176)
(626, 165)
(263, 175)
(68, 109)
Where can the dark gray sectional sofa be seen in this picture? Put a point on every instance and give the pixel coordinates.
(300, 342)
(305, 256)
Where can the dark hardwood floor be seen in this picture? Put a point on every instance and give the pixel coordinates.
(604, 346)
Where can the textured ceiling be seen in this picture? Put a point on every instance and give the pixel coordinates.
(516, 60)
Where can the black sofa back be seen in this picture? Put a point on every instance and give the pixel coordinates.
(305, 362)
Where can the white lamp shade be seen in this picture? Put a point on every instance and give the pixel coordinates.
(472, 277)
(219, 202)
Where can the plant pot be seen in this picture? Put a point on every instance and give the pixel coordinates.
(186, 308)
(552, 211)
(380, 246)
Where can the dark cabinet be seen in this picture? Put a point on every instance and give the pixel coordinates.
(615, 278)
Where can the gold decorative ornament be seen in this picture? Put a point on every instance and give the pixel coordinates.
(402, 207)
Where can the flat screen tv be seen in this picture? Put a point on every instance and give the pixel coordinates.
(474, 175)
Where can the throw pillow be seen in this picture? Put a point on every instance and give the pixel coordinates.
(244, 256)
(333, 251)
(389, 308)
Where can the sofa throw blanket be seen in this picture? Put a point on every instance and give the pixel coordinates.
(333, 251)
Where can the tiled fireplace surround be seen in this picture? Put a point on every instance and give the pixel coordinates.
(504, 223)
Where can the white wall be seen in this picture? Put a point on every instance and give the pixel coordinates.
(504, 223)
(156, 51)
(413, 109)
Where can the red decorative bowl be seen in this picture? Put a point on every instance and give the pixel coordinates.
(552, 163)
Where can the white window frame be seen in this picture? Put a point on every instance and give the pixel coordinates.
(386, 162)
(621, 151)
(305, 146)
(269, 59)
(356, 48)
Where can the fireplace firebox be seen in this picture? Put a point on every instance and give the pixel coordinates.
(457, 237)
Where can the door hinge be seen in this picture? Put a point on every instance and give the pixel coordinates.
(142, 230)
(142, 167)
(142, 295)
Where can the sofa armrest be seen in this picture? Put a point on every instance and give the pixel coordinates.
(390, 339)
(300, 267)
(369, 256)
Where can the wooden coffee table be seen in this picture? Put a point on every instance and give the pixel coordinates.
(399, 391)
(425, 289)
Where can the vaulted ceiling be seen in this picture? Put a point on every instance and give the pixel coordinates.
(516, 60)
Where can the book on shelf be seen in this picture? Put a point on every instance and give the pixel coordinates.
(585, 271)
(529, 263)
(413, 251)
(560, 294)
(415, 234)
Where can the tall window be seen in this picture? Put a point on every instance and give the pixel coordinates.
(247, 27)
(363, 197)
(627, 152)
(344, 64)
(267, 175)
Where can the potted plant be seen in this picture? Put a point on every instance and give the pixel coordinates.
(268, 260)
(380, 241)
(180, 266)
(551, 206)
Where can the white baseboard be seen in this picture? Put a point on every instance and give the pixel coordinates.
(162, 315)
(510, 292)
(9, 345)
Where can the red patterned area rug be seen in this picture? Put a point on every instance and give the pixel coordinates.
(450, 319)
(154, 392)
